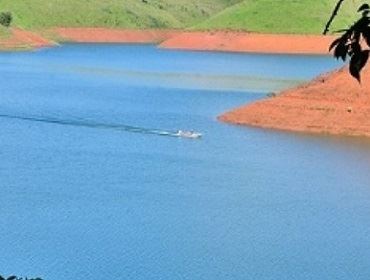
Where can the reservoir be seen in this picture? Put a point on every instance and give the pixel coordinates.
(94, 185)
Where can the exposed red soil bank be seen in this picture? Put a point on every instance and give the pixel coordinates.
(218, 41)
(333, 104)
(20, 39)
(250, 42)
(106, 35)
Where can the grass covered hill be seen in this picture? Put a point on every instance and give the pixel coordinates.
(266, 16)
(282, 16)
(4, 32)
(34, 14)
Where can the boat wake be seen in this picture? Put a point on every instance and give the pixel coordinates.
(98, 125)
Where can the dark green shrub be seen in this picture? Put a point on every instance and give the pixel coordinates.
(6, 18)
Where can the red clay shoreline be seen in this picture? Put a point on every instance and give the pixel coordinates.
(106, 35)
(231, 41)
(226, 41)
(333, 103)
(22, 39)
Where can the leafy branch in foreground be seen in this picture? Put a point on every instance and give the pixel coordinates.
(13, 277)
(332, 17)
(352, 41)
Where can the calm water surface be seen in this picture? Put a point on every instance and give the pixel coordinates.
(92, 186)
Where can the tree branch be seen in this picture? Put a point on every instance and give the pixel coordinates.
(333, 15)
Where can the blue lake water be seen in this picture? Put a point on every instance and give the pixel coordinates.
(91, 186)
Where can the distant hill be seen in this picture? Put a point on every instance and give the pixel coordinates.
(33, 14)
(281, 16)
(268, 16)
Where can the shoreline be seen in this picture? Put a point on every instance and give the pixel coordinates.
(20, 39)
(245, 42)
(332, 104)
(108, 35)
(223, 41)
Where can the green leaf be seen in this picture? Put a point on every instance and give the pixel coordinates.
(358, 61)
(363, 7)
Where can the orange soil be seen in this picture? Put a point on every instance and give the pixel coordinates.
(20, 39)
(334, 103)
(219, 41)
(106, 35)
(250, 42)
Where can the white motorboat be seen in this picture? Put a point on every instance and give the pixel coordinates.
(188, 134)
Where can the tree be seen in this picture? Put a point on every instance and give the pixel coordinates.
(352, 41)
(6, 18)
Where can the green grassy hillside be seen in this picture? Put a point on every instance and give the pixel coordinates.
(112, 13)
(270, 16)
(281, 16)
(4, 32)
